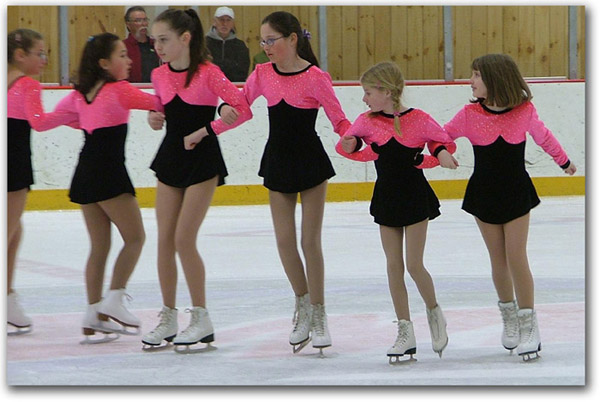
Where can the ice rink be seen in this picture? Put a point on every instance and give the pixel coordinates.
(251, 305)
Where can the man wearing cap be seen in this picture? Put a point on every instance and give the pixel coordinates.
(228, 52)
(140, 48)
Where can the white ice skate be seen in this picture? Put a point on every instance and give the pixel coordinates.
(18, 322)
(200, 330)
(112, 308)
(530, 343)
(96, 330)
(166, 330)
(437, 329)
(510, 322)
(300, 336)
(320, 332)
(405, 344)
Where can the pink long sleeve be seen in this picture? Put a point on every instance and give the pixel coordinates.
(24, 102)
(309, 89)
(418, 129)
(483, 127)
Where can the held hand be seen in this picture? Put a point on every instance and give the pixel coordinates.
(447, 160)
(193, 139)
(156, 120)
(229, 115)
(571, 169)
(349, 143)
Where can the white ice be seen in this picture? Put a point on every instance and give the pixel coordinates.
(251, 304)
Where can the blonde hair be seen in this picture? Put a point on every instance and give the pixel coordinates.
(387, 76)
(502, 79)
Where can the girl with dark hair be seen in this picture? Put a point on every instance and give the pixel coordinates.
(26, 57)
(101, 103)
(500, 193)
(295, 162)
(189, 86)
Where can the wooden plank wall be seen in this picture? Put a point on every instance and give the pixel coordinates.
(360, 36)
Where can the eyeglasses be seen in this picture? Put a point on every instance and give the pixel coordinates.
(269, 42)
(41, 55)
(140, 20)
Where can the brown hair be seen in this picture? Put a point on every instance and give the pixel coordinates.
(387, 76)
(505, 85)
(21, 39)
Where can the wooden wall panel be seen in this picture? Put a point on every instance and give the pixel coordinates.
(359, 36)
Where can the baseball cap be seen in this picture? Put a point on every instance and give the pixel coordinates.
(221, 11)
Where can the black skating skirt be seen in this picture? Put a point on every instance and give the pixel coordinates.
(294, 158)
(19, 167)
(173, 164)
(402, 195)
(100, 173)
(500, 189)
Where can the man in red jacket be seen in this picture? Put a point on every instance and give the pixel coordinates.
(140, 48)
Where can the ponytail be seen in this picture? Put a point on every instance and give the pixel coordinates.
(188, 21)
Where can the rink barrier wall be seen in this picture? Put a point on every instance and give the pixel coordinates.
(336, 192)
(56, 152)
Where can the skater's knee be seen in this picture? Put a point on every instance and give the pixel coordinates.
(311, 246)
(135, 240)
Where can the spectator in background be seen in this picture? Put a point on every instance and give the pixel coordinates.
(228, 52)
(140, 47)
(259, 58)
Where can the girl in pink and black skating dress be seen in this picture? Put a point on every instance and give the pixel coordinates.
(295, 162)
(101, 102)
(403, 201)
(26, 57)
(189, 165)
(500, 193)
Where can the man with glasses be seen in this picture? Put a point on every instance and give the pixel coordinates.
(140, 47)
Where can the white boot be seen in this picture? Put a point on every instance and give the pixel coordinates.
(15, 315)
(510, 322)
(437, 329)
(199, 330)
(405, 344)
(320, 332)
(92, 324)
(166, 329)
(302, 314)
(112, 307)
(530, 343)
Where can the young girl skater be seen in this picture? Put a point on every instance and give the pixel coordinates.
(189, 87)
(295, 162)
(500, 193)
(101, 101)
(403, 202)
(26, 57)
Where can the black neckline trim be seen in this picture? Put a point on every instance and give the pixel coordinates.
(177, 71)
(292, 73)
(391, 116)
(487, 109)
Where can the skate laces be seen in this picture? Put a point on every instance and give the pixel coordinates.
(318, 320)
(402, 333)
(511, 325)
(164, 320)
(300, 313)
(193, 321)
(526, 323)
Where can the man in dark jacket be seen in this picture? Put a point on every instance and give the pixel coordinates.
(140, 48)
(228, 52)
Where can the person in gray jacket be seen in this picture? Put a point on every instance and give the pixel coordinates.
(228, 52)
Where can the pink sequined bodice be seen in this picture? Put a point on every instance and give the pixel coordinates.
(309, 89)
(208, 85)
(483, 127)
(24, 102)
(110, 107)
(418, 129)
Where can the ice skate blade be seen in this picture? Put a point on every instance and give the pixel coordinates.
(531, 356)
(396, 361)
(16, 331)
(299, 346)
(89, 340)
(156, 348)
(188, 350)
